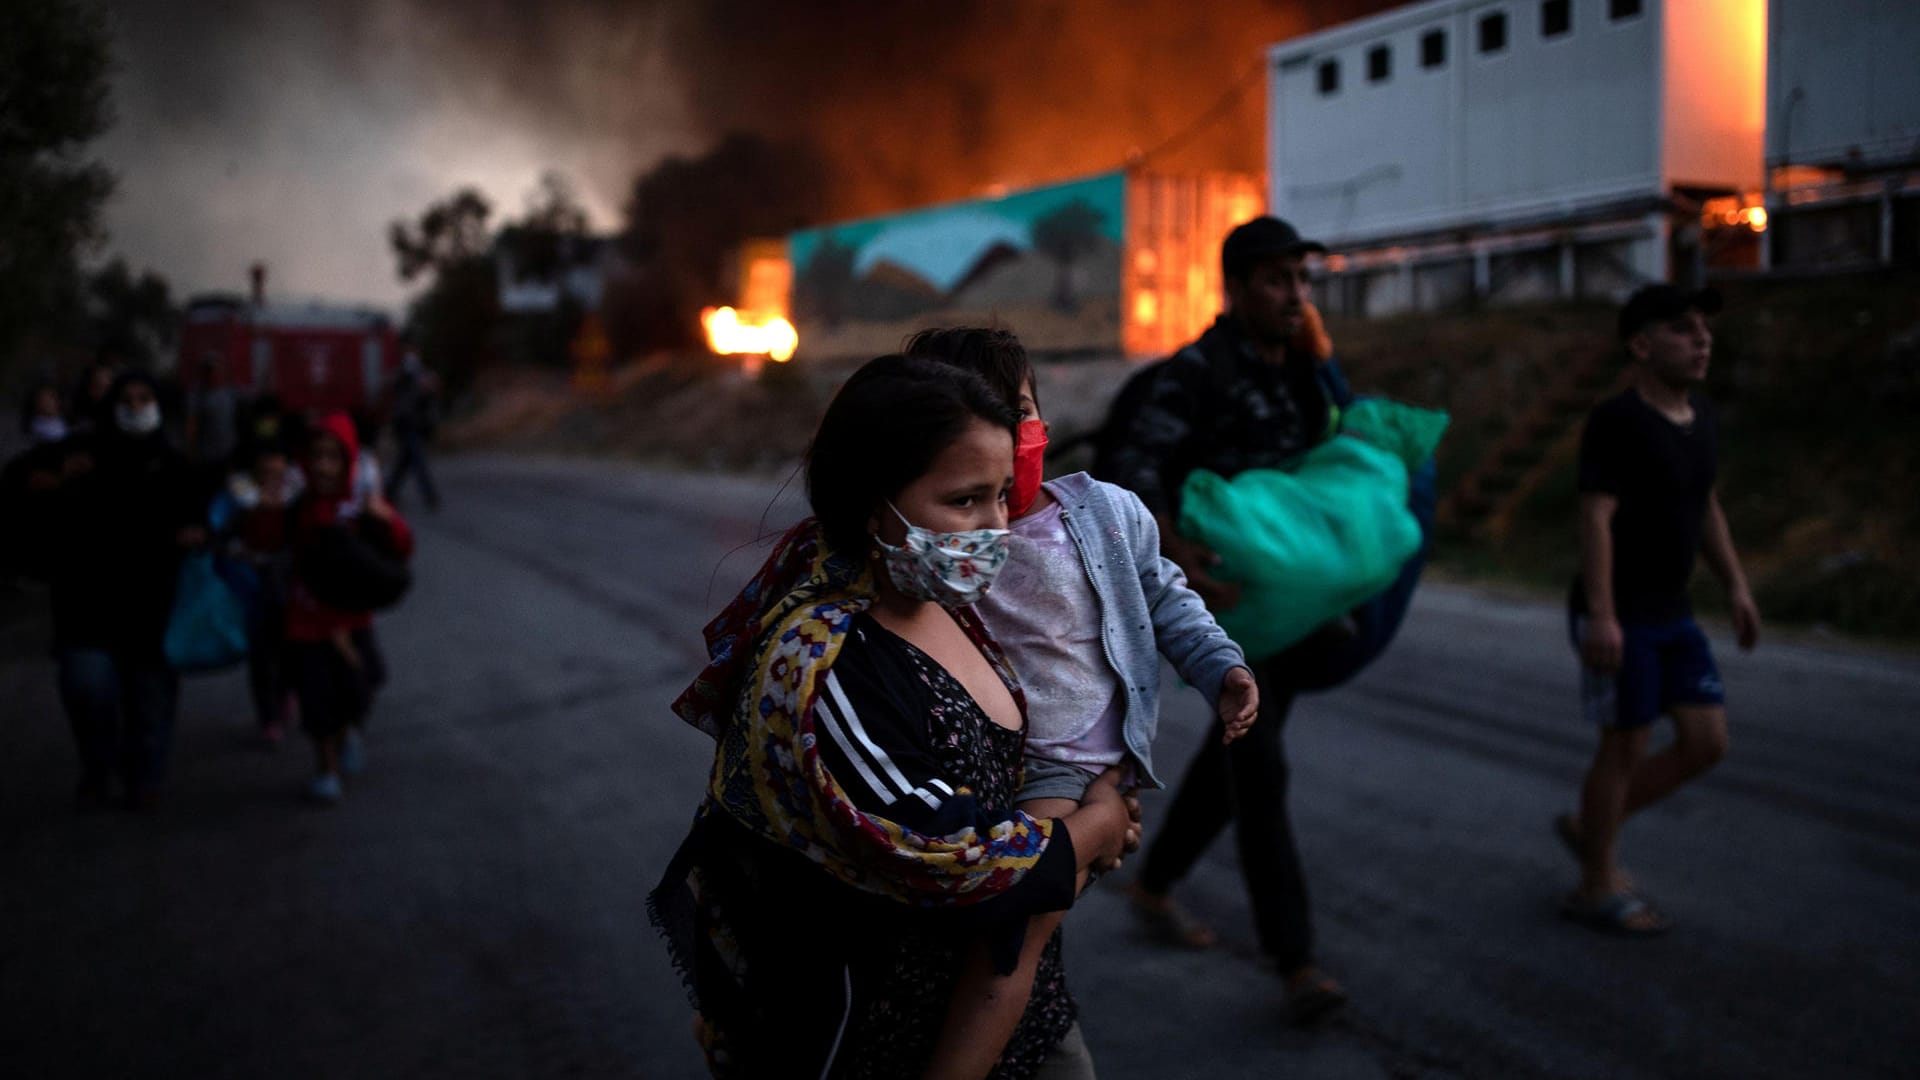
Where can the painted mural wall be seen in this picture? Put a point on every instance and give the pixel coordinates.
(1043, 262)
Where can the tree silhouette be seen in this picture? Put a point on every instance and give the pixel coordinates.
(132, 313)
(54, 100)
(448, 233)
(453, 321)
(688, 216)
(1065, 235)
(552, 238)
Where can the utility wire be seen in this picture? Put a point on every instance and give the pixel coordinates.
(1206, 119)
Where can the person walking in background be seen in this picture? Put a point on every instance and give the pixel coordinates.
(124, 510)
(41, 419)
(30, 473)
(412, 413)
(252, 519)
(1648, 502)
(1257, 390)
(332, 661)
(92, 407)
(213, 416)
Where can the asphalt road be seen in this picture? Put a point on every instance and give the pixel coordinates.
(474, 909)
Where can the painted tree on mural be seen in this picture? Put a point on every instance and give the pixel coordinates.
(1066, 235)
(824, 283)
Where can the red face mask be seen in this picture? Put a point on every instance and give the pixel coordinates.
(1029, 463)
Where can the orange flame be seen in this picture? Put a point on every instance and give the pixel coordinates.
(729, 335)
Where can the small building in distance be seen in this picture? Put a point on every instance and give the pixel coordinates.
(1504, 151)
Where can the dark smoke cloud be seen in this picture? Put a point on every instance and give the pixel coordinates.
(914, 102)
(293, 131)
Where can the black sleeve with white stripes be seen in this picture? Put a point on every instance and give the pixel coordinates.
(873, 735)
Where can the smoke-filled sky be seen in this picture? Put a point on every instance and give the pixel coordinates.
(293, 132)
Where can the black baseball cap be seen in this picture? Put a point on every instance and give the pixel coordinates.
(1265, 237)
(1660, 302)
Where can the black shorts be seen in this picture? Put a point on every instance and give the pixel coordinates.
(1662, 664)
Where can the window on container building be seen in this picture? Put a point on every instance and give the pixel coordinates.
(1433, 48)
(1493, 32)
(1622, 9)
(1556, 17)
(1379, 63)
(1329, 76)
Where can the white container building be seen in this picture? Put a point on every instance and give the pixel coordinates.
(1843, 132)
(1513, 150)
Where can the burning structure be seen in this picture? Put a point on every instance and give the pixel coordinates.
(759, 326)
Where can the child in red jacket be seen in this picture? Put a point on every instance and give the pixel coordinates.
(332, 660)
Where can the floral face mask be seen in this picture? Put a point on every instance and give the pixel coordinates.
(950, 569)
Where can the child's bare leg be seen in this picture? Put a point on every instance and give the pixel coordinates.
(986, 1007)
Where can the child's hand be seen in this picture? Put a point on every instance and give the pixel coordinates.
(1239, 703)
(379, 507)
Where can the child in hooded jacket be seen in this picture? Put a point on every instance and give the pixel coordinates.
(251, 518)
(333, 663)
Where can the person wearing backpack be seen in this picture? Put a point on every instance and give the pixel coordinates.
(1256, 391)
(332, 661)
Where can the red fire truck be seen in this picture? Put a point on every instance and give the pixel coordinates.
(315, 358)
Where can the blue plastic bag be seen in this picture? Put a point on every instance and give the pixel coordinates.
(207, 629)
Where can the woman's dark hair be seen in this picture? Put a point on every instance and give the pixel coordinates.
(989, 352)
(882, 432)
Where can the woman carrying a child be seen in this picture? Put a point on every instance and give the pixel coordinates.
(858, 882)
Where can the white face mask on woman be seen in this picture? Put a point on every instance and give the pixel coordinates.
(47, 429)
(950, 569)
(137, 420)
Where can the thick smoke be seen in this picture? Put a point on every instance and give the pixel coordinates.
(917, 102)
(294, 131)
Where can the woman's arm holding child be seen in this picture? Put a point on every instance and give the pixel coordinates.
(986, 1007)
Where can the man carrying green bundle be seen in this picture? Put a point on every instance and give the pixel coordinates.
(1258, 391)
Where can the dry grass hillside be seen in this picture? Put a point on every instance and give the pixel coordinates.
(1817, 381)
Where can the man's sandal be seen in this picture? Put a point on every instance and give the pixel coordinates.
(1624, 913)
(1168, 922)
(1313, 996)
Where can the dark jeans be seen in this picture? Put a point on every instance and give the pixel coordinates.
(267, 657)
(412, 459)
(121, 707)
(335, 695)
(1245, 784)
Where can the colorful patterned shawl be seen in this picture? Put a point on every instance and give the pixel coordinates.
(769, 652)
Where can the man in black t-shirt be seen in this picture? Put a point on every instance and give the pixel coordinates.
(1648, 459)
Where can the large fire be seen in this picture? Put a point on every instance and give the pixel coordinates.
(730, 335)
(759, 327)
